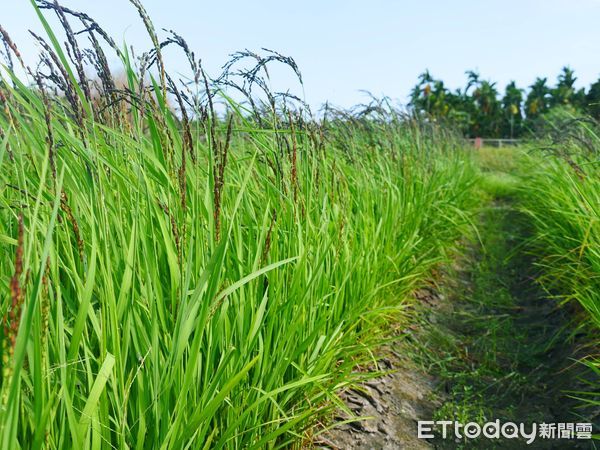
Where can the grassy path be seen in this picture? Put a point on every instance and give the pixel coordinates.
(497, 348)
(500, 348)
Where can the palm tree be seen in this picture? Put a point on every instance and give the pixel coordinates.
(484, 106)
(472, 80)
(419, 97)
(592, 100)
(511, 104)
(564, 92)
(538, 99)
(430, 96)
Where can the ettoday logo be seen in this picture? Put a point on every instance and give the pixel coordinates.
(427, 429)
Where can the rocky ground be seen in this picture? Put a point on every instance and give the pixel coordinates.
(391, 405)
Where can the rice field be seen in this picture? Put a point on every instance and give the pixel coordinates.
(185, 268)
(200, 281)
(562, 199)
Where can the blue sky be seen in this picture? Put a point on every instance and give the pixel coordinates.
(343, 47)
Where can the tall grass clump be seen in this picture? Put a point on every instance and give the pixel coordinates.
(176, 277)
(562, 197)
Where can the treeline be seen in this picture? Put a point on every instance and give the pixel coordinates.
(481, 110)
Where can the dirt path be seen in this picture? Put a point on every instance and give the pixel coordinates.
(501, 348)
(490, 345)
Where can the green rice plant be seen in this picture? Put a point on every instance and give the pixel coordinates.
(183, 279)
(562, 198)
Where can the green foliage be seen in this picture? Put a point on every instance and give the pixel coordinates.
(592, 100)
(512, 111)
(479, 111)
(193, 282)
(538, 98)
(564, 93)
(562, 198)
